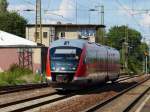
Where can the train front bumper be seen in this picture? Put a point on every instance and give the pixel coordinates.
(76, 83)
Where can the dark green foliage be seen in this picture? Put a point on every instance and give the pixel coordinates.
(21, 70)
(13, 23)
(18, 75)
(3, 5)
(117, 35)
(116, 38)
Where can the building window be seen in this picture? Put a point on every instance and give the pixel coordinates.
(62, 35)
(45, 34)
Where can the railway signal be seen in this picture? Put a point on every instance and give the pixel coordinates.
(146, 64)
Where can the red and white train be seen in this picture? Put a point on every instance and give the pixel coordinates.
(74, 64)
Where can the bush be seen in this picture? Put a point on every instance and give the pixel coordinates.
(17, 75)
(16, 68)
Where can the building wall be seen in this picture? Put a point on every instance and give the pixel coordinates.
(8, 56)
(36, 59)
(74, 33)
(30, 34)
(54, 33)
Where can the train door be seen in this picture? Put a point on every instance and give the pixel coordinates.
(110, 73)
(108, 63)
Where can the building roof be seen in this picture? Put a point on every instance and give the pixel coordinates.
(10, 40)
(69, 25)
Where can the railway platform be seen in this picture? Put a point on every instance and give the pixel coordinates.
(145, 105)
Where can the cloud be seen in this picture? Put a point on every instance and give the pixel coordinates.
(65, 12)
(145, 20)
(65, 7)
(49, 21)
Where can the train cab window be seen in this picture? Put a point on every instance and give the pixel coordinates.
(68, 57)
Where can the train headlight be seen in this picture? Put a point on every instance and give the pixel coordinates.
(73, 68)
(53, 68)
(62, 68)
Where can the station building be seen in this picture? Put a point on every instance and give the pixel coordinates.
(35, 57)
(52, 32)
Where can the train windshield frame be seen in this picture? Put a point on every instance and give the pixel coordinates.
(65, 58)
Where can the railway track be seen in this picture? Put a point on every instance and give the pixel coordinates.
(16, 88)
(126, 77)
(11, 89)
(124, 101)
(34, 103)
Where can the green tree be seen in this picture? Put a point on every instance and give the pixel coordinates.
(3, 5)
(116, 38)
(11, 22)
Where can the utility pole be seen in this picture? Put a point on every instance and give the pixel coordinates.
(38, 23)
(102, 14)
(126, 48)
(145, 60)
(100, 31)
(125, 51)
(149, 57)
(146, 64)
(102, 23)
(76, 11)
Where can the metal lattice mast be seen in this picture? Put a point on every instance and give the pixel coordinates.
(38, 23)
(102, 23)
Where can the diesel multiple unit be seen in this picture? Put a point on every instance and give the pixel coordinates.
(78, 63)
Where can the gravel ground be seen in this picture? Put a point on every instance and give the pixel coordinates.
(11, 97)
(83, 101)
(78, 103)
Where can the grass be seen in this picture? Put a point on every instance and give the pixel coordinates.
(17, 75)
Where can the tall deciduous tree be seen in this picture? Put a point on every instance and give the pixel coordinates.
(11, 22)
(116, 37)
(3, 5)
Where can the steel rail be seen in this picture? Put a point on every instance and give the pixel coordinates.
(135, 101)
(27, 99)
(101, 104)
(41, 103)
(17, 88)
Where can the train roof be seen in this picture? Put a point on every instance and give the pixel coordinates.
(79, 43)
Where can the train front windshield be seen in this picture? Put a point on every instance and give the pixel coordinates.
(64, 58)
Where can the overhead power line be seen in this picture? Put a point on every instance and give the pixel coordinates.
(138, 24)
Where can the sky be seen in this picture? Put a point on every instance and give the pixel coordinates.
(134, 13)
